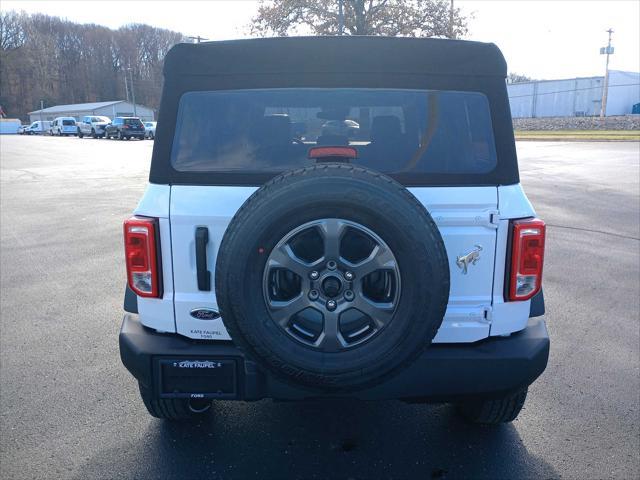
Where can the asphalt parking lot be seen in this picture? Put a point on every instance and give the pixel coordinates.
(68, 408)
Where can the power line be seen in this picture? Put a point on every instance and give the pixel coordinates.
(572, 90)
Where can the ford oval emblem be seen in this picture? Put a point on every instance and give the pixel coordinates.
(204, 314)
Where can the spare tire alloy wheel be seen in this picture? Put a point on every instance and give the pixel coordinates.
(333, 277)
(324, 299)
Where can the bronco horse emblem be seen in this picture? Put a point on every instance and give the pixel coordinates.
(471, 258)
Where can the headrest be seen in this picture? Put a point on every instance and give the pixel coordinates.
(272, 130)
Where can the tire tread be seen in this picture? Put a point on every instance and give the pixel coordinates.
(166, 409)
(494, 411)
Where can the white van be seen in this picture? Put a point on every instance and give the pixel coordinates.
(38, 128)
(63, 126)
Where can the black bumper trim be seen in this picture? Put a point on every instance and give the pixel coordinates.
(445, 372)
(130, 300)
(536, 308)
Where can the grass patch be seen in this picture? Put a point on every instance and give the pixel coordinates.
(586, 135)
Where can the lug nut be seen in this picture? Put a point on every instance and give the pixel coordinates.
(314, 275)
(332, 265)
(331, 305)
(313, 295)
(348, 295)
(348, 276)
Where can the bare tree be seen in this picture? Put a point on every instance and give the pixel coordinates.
(408, 18)
(12, 34)
(517, 78)
(47, 58)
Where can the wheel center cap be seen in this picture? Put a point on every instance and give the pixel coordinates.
(331, 286)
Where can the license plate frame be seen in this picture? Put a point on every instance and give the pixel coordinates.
(197, 377)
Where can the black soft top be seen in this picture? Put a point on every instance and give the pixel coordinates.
(336, 62)
(358, 54)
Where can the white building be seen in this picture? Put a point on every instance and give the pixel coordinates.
(9, 125)
(574, 97)
(116, 108)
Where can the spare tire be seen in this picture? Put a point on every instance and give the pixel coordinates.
(333, 277)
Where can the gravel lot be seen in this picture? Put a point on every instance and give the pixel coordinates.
(69, 409)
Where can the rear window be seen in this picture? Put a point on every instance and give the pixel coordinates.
(132, 121)
(68, 122)
(394, 131)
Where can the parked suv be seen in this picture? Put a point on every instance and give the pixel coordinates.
(125, 128)
(63, 126)
(92, 125)
(334, 216)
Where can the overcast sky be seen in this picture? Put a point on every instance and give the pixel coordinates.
(542, 39)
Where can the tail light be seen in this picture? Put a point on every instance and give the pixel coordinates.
(141, 254)
(527, 258)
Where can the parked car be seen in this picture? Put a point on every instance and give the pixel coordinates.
(93, 126)
(22, 130)
(39, 127)
(406, 264)
(63, 126)
(125, 128)
(150, 130)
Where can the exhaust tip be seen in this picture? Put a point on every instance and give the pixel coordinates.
(199, 405)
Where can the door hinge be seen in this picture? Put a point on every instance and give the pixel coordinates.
(494, 218)
(488, 313)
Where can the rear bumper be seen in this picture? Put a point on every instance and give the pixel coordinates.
(443, 373)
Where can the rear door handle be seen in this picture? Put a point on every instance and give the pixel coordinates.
(204, 275)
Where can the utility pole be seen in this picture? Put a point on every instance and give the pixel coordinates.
(340, 18)
(451, 20)
(41, 121)
(133, 93)
(126, 86)
(608, 50)
(198, 39)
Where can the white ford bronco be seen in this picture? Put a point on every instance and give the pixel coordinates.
(334, 217)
